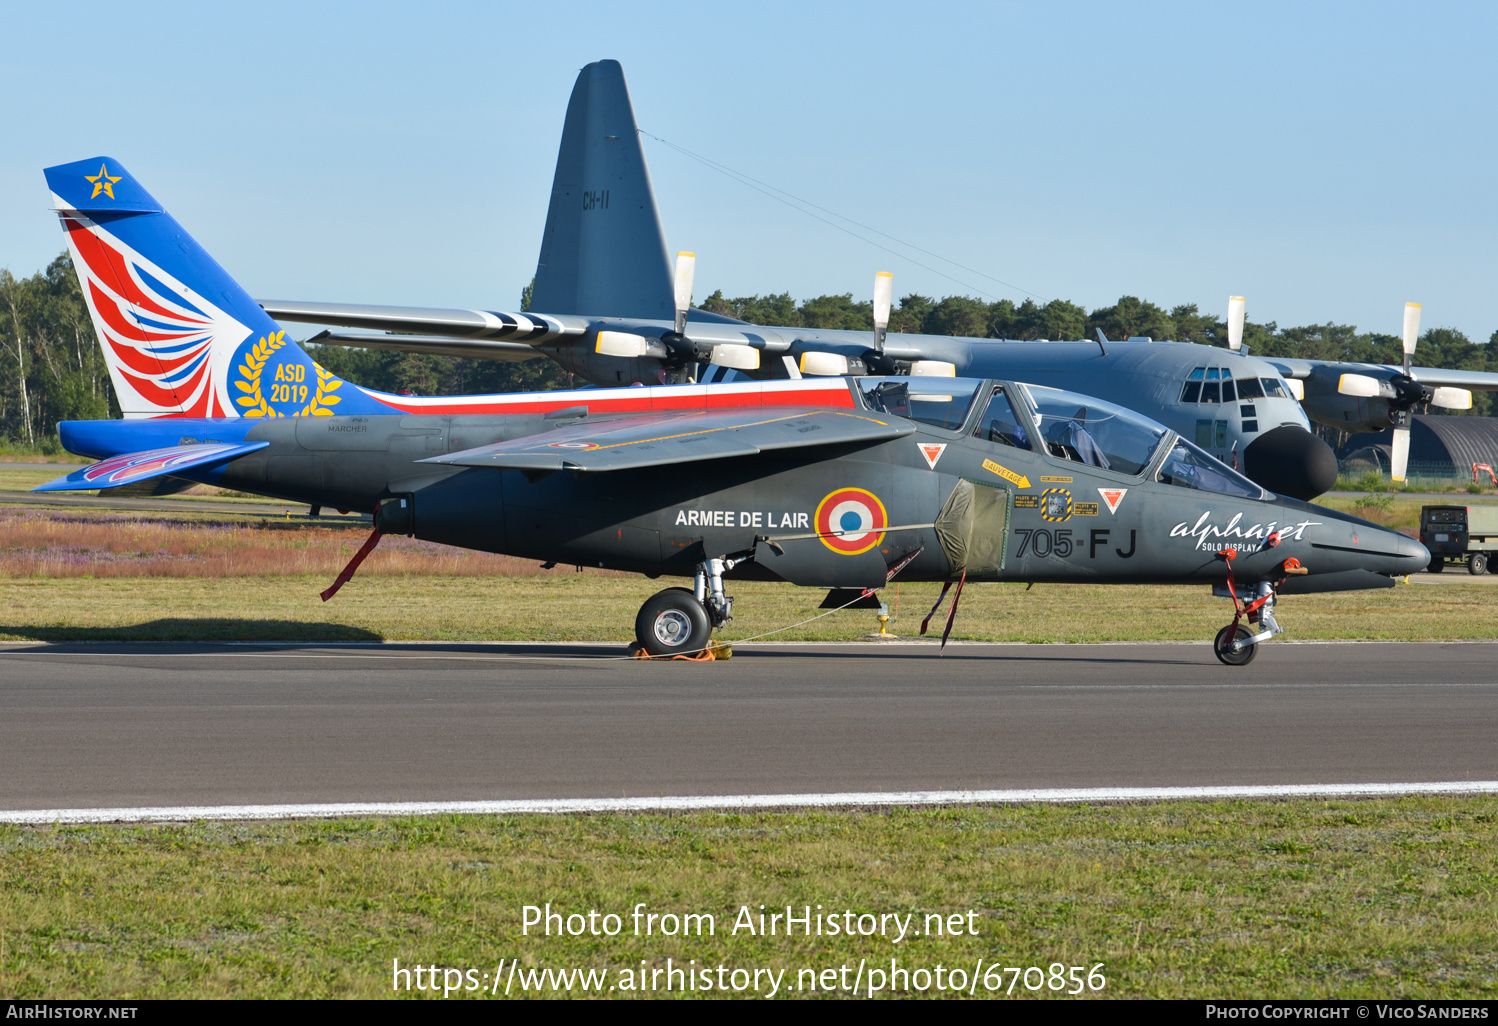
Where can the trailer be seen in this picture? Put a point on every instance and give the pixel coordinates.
(1460, 534)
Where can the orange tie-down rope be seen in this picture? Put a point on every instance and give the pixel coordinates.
(706, 655)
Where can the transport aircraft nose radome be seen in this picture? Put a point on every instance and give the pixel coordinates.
(1289, 460)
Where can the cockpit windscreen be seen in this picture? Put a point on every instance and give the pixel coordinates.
(1189, 467)
(1086, 430)
(939, 402)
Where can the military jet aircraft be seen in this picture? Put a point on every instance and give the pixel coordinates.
(605, 294)
(838, 483)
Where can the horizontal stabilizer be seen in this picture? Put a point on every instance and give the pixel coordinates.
(142, 466)
(654, 439)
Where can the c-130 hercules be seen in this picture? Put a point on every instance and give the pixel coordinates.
(604, 296)
(839, 483)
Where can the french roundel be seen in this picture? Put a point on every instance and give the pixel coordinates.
(851, 520)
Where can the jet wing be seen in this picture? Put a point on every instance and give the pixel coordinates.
(141, 466)
(654, 439)
(534, 329)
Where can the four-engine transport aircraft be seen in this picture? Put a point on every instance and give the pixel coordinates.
(839, 483)
(605, 294)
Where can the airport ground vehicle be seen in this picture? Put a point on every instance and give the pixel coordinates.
(1465, 534)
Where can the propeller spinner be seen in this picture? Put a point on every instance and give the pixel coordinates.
(1403, 392)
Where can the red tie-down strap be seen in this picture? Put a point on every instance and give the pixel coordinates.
(353, 564)
(1290, 567)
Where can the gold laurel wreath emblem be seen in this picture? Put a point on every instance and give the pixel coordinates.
(320, 405)
(254, 398)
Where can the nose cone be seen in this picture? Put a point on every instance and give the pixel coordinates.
(1289, 460)
(1360, 545)
(1412, 556)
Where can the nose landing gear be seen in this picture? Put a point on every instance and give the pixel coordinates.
(1238, 642)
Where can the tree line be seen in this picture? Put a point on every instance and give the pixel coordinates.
(51, 367)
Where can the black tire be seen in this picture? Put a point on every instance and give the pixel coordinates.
(1477, 564)
(1437, 564)
(1226, 637)
(673, 622)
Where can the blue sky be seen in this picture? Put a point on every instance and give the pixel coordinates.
(1329, 161)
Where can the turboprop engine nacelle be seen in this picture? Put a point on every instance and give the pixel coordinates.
(1326, 404)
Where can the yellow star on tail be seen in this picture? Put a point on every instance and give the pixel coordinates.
(103, 182)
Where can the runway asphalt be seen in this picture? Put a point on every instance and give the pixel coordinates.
(96, 726)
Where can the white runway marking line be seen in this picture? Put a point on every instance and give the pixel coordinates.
(557, 806)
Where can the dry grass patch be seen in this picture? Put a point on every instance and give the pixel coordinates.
(45, 543)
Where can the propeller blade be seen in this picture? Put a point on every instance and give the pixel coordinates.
(1448, 398)
(1235, 322)
(1411, 333)
(686, 270)
(824, 364)
(1360, 385)
(933, 369)
(884, 294)
(730, 354)
(1401, 459)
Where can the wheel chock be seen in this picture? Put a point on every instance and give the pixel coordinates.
(716, 651)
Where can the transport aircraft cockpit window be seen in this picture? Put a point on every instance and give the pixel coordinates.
(1193, 390)
(999, 423)
(1250, 388)
(1275, 388)
(1189, 467)
(1212, 390)
(1087, 430)
(939, 402)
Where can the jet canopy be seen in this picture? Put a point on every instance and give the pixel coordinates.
(936, 402)
(1085, 429)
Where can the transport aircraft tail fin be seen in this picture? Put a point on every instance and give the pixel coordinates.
(180, 337)
(603, 252)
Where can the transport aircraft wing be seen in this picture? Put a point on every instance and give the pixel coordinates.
(651, 440)
(434, 345)
(1435, 377)
(534, 329)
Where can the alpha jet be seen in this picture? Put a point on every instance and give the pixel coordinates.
(837, 483)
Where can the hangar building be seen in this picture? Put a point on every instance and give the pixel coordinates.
(1435, 441)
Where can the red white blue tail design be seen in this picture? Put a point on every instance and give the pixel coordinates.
(180, 337)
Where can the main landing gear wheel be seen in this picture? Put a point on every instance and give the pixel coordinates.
(673, 622)
(1226, 637)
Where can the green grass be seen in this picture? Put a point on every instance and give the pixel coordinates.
(1309, 899)
(567, 606)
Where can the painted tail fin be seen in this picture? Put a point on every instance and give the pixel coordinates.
(180, 337)
(603, 252)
